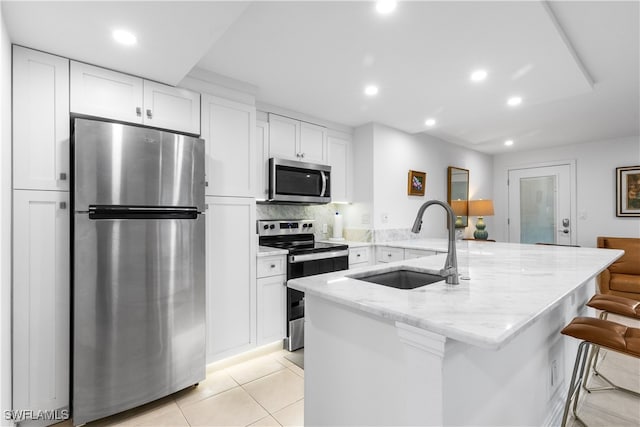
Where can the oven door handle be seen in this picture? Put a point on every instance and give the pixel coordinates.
(293, 259)
(324, 183)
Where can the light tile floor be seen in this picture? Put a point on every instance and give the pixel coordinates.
(268, 390)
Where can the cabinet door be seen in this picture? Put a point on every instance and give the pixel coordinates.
(105, 93)
(284, 134)
(231, 276)
(228, 129)
(313, 143)
(173, 108)
(271, 309)
(40, 121)
(41, 299)
(262, 157)
(339, 158)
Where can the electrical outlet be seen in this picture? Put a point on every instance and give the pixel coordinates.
(385, 218)
(366, 219)
(325, 228)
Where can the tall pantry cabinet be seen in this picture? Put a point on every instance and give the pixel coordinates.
(41, 218)
(228, 128)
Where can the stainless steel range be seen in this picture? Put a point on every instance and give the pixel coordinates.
(306, 257)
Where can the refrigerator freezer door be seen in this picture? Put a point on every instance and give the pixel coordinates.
(139, 314)
(124, 165)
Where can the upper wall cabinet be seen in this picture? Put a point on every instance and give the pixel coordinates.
(339, 158)
(104, 93)
(228, 129)
(40, 121)
(296, 140)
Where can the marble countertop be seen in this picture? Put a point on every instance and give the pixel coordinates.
(510, 286)
(268, 251)
(351, 244)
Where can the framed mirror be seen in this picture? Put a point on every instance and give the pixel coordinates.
(458, 194)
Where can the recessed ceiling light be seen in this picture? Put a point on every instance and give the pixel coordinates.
(508, 142)
(478, 75)
(371, 90)
(430, 122)
(385, 6)
(125, 37)
(514, 100)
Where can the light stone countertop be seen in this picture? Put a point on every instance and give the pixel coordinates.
(268, 251)
(510, 287)
(351, 244)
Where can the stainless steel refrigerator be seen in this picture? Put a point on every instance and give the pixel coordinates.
(138, 266)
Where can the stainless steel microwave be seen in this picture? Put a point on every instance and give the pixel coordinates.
(298, 182)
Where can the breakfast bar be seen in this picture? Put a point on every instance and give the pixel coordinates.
(484, 352)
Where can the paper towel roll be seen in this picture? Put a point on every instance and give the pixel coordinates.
(337, 226)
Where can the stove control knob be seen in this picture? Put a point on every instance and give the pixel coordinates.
(272, 226)
(304, 225)
(310, 225)
(266, 227)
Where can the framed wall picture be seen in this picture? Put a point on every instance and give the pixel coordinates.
(628, 191)
(417, 183)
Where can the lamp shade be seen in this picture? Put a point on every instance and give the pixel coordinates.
(480, 207)
(459, 207)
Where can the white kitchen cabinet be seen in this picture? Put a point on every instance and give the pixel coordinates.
(169, 107)
(41, 298)
(262, 157)
(388, 254)
(229, 129)
(104, 93)
(313, 143)
(417, 253)
(297, 140)
(358, 257)
(339, 158)
(40, 121)
(272, 298)
(231, 276)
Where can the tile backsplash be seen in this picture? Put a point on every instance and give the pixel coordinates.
(324, 214)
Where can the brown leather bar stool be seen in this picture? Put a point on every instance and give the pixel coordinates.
(604, 333)
(621, 306)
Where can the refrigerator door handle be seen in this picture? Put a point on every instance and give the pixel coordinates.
(142, 212)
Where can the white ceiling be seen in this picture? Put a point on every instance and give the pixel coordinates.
(576, 64)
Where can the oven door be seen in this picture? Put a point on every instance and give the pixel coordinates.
(303, 266)
(291, 181)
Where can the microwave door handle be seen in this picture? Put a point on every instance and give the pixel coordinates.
(324, 183)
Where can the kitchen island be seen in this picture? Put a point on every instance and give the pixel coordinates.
(484, 352)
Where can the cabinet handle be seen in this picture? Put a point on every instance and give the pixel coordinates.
(358, 255)
(273, 266)
(302, 155)
(63, 176)
(389, 254)
(149, 114)
(63, 205)
(206, 183)
(138, 111)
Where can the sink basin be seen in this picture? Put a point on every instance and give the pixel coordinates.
(401, 278)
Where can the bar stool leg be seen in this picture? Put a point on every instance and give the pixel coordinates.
(594, 358)
(575, 385)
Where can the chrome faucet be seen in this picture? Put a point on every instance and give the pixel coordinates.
(450, 270)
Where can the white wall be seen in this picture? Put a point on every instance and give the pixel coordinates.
(596, 185)
(5, 221)
(393, 154)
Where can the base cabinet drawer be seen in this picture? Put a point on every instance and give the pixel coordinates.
(388, 254)
(271, 266)
(358, 257)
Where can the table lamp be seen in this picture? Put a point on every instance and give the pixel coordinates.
(480, 208)
(460, 209)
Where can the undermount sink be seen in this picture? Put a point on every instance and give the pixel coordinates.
(401, 278)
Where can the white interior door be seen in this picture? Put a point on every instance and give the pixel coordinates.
(542, 205)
